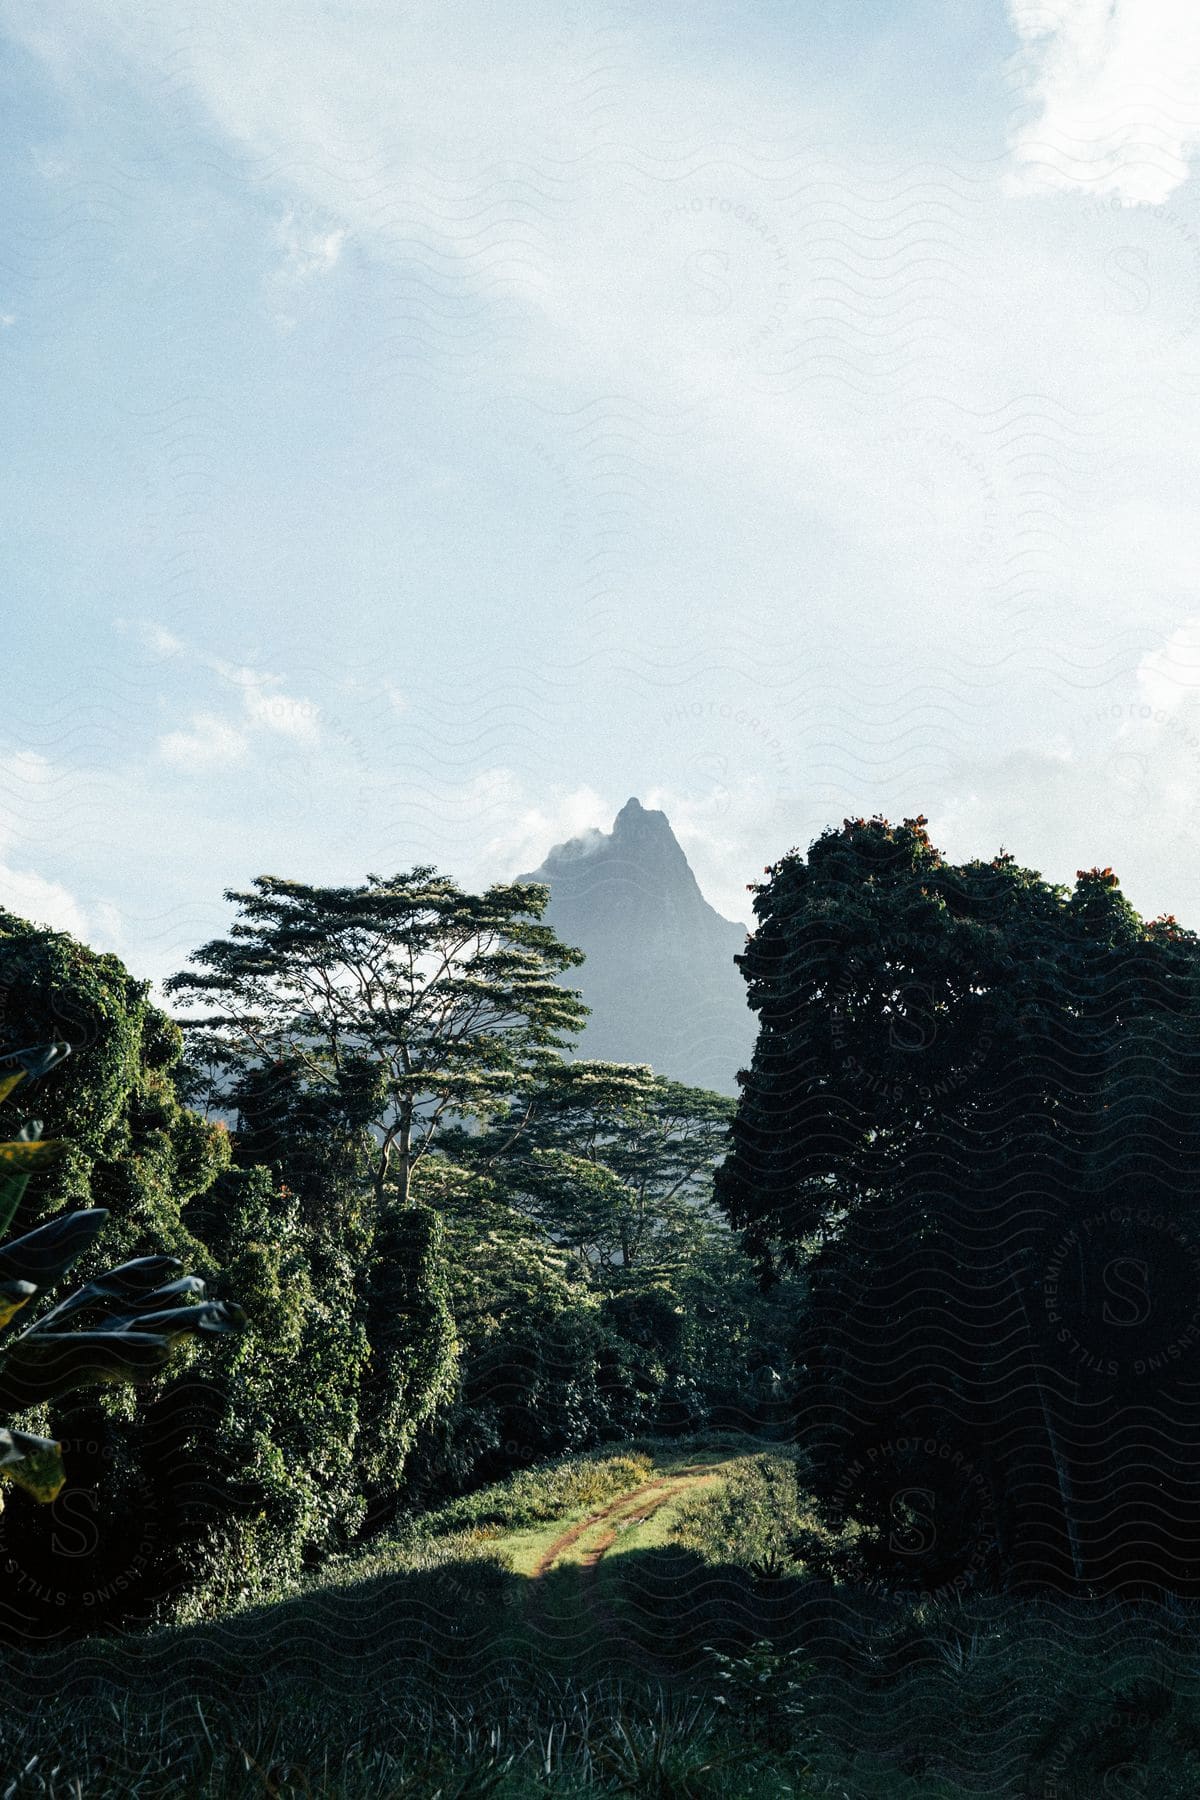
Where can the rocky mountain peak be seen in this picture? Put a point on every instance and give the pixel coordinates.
(659, 975)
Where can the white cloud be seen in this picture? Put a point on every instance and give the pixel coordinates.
(516, 829)
(1120, 787)
(215, 741)
(1117, 87)
(31, 896)
(211, 743)
(309, 250)
(1170, 676)
(267, 708)
(153, 637)
(32, 795)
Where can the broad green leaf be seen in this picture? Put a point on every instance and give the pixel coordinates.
(12, 1192)
(33, 1463)
(45, 1254)
(44, 1365)
(12, 1187)
(37, 1060)
(120, 1285)
(211, 1316)
(37, 1153)
(13, 1296)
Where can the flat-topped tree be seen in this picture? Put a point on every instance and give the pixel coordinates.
(614, 1160)
(388, 1008)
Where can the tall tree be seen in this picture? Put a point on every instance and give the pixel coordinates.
(402, 1004)
(972, 1119)
(615, 1161)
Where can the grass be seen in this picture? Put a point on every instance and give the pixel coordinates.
(561, 1491)
(415, 1671)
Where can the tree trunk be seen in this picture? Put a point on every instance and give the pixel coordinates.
(1059, 1462)
(405, 1159)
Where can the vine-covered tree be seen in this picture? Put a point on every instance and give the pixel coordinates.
(133, 1159)
(972, 1119)
(345, 1028)
(400, 1004)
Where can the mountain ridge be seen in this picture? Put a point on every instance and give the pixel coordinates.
(659, 975)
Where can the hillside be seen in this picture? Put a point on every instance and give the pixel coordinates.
(659, 977)
(636, 1622)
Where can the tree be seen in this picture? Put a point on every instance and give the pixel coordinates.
(971, 1119)
(400, 1004)
(614, 1161)
(120, 1326)
(131, 1160)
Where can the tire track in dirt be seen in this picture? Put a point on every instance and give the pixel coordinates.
(594, 1614)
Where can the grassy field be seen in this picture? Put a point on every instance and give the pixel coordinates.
(629, 1624)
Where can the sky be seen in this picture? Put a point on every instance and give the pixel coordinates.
(428, 426)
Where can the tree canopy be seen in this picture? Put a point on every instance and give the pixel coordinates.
(615, 1161)
(397, 1005)
(972, 1118)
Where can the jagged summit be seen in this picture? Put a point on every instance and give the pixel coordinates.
(659, 976)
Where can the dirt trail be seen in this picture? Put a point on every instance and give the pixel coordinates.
(634, 1507)
(625, 1509)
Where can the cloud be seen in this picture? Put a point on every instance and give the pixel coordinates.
(31, 896)
(31, 795)
(518, 829)
(1170, 677)
(1117, 88)
(267, 708)
(216, 741)
(1118, 784)
(309, 250)
(152, 637)
(211, 743)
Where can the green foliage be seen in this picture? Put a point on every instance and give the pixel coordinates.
(398, 1005)
(765, 1690)
(133, 1157)
(972, 1113)
(412, 1348)
(614, 1161)
(131, 1317)
(555, 1490)
(753, 1516)
(280, 1406)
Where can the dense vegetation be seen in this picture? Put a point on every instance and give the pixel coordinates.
(973, 1120)
(590, 1433)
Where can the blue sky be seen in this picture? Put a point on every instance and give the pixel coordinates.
(427, 426)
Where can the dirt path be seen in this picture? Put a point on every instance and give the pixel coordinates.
(589, 1616)
(664, 1487)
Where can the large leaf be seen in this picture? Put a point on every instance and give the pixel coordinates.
(140, 1275)
(34, 1061)
(211, 1316)
(34, 1463)
(45, 1254)
(115, 1286)
(26, 1154)
(44, 1365)
(13, 1296)
(12, 1192)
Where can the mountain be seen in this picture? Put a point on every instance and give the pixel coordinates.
(659, 976)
